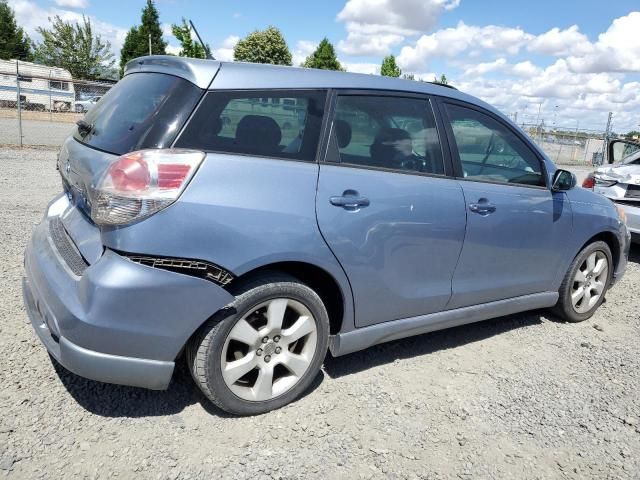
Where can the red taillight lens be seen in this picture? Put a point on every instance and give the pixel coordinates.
(130, 173)
(172, 175)
(589, 182)
(142, 183)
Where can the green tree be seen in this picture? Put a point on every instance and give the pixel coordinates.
(442, 80)
(389, 67)
(129, 47)
(137, 40)
(189, 47)
(76, 48)
(14, 43)
(263, 46)
(323, 58)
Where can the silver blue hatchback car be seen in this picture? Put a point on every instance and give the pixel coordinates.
(251, 217)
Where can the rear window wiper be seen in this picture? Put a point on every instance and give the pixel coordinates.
(84, 127)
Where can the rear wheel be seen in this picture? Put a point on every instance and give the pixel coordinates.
(264, 350)
(586, 283)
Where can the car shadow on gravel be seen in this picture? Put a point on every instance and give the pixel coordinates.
(108, 400)
(634, 253)
(427, 343)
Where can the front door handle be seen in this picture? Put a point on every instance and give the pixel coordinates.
(483, 207)
(350, 200)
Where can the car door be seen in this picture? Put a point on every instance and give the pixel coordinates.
(387, 210)
(516, 226)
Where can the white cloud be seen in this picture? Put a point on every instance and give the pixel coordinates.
(375, 26)
(451, 42)
(30, 16)
(173, 49)
(482, 68)
(72, 3)
(525, 69)
(368, 68)
(561, 42)
(225, 51)
(617, 49)
(303, 49)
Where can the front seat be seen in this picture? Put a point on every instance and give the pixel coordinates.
(259, 135)
(390, 147)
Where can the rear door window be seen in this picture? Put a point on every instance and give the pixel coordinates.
(281, 124)
(387, 132)
(144, 110)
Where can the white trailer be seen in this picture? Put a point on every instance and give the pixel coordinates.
(41, 87)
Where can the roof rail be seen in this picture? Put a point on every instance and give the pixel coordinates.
(446, 85)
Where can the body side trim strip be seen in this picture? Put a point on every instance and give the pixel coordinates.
(359, 339)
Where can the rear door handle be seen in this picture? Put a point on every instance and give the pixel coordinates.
(483, 207)
(350, 200)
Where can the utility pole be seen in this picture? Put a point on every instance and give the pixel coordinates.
(19, 103)
(538, 119)
(606, 137)
(150, 53)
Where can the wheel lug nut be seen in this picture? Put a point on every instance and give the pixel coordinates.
(278, 350)
(265, 339)
(276, 338)
(267, 358)
(259, 352)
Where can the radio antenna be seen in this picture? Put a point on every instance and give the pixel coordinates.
(204, 46)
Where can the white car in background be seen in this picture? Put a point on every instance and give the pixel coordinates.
(619, 180)
(83, 106)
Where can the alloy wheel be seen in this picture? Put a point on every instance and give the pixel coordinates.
(269, 349)
(589, 282)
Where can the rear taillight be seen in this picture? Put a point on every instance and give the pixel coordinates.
(589, 182)
(142, 183)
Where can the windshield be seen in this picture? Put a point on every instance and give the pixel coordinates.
(144, 110)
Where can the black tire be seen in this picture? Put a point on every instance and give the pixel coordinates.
(564, 308)
(204, 350)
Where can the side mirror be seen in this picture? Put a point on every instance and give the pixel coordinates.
(563, 180)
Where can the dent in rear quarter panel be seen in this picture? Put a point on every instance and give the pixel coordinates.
(240, 213)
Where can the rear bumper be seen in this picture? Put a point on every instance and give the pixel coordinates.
(137, 372)
(115, 321)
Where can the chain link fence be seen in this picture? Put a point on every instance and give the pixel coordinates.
(567, 147)
(39, 105)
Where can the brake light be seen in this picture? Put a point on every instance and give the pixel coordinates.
(142, 183)
(589, 182)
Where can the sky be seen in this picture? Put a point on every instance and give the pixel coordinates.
(571, 61)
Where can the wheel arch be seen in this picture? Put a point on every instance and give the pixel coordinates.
(611, 240)
(318, 279)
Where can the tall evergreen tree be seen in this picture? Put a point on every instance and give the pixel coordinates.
(323, 58)
(75, 47)
(137, 40)
(14, 43)
(263, 46)
(129, 47)
(189, 47)
(389, 67)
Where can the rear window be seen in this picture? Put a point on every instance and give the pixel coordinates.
(144, 110)
(282, 124)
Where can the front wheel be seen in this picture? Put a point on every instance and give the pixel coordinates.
(586, 283)
(264, 350)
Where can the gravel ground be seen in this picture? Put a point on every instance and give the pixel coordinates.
(517, 397)
(34, 132)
